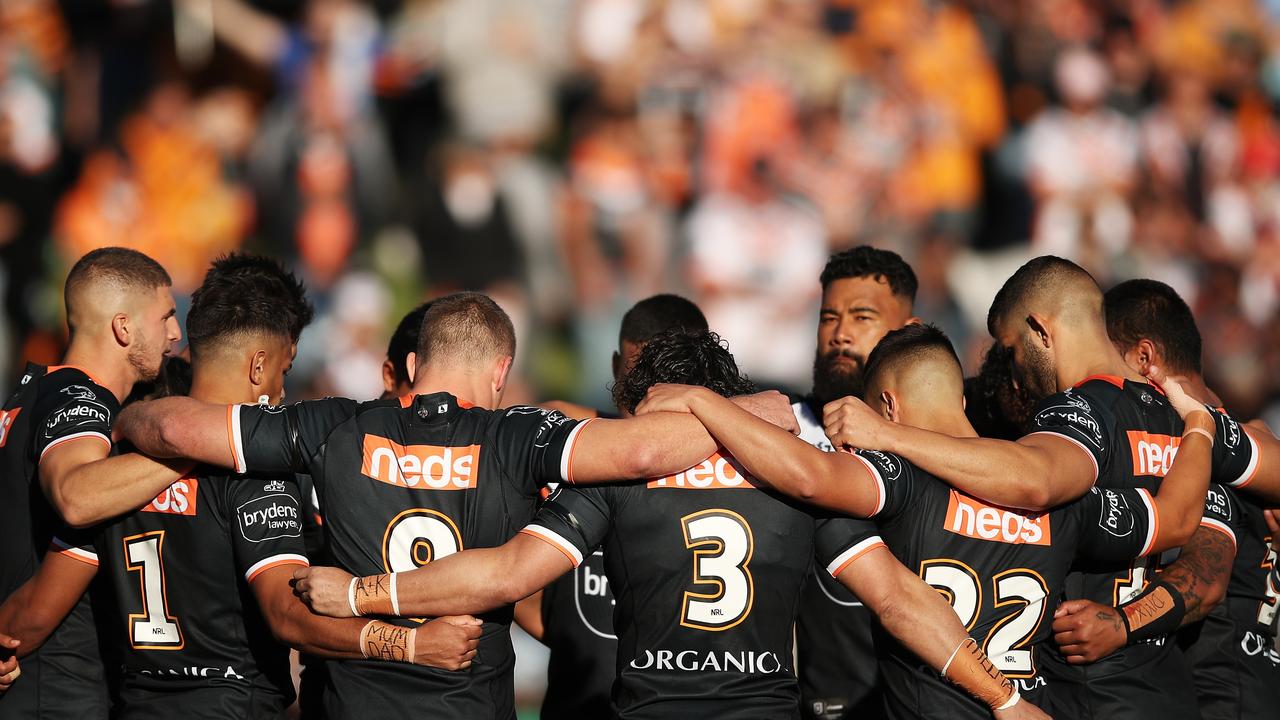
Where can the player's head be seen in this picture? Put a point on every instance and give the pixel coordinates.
(395, 369)
(465, 336)
(1151, 325)
(649, 317)
(1047, 310)
(866, 292)
(120, 300)
(244, 324)
(913, 376)
(687, 357)
(995, 405)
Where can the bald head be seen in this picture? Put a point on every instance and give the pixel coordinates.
(107, 282)
(1051, 287)
(918, 366)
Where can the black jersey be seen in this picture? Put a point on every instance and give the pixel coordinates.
(706, 571)
(577, 625)
(180, 619)
(1132, 434)
(835, 653)
(399, 484)
(64, 678)
(1000, 569)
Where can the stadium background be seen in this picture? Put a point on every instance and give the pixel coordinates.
(571, 157)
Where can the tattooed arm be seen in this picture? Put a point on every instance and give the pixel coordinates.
(1087, 631)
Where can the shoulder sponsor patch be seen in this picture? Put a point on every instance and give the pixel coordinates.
(1230, 430)
(270, 517)
(80, 392)
(1071, 417)
(889, 466)
(79, 414)
(1114, 515)
(1076, 400)
(1217, 504)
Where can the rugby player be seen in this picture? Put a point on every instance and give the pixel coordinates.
(55, 437)
(197, 582)
(573, 616)
(1232, 652)
(1098, 422)
(717, 646)
(412, 480)
(1001, 569)
(395, 369)
(866, 292)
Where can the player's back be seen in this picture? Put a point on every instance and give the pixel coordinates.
(63, 679)
(178, 619)
(706, 570)
(1001, 570)
(401, 484)
(577, 627)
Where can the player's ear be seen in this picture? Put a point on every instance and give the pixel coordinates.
(258, 368)
(1040, 329)
(120, 329)
(1145, 354)
(500, 373)
(889, 407)
(388, 377)
(411, 366)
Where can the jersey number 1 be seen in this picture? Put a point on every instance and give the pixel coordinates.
(154, 628)
(722, 546)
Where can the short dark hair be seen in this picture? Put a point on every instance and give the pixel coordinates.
(1044, 274)
(122, 267)
(995, 406)
(658, 314)
(866, 261)
(465, 325)
(686, 357)
(1150, 309)
(245, 294)
(903, 345)
(405, 340)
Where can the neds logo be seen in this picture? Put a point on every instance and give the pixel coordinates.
(1152, 454)
(421, 467)
(973, 518)
(177, 499)
(715, 473)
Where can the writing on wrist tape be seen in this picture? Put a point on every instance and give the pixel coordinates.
(372, 595)
(384, 641)
(971, 669)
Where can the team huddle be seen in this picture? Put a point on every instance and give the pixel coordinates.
(1079, 531)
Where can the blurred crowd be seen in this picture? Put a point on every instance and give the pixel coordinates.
(573, 156)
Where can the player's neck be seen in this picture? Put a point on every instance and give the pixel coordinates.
(943, 420)
(109, 369)
(1087, 357)
(219, 386)
(1193, 384)
(460, 383)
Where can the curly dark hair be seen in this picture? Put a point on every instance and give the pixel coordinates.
(686, 357)
(245, 293)
(866, 261)
(996, 406)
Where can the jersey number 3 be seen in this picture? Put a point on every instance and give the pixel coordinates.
(154, 628)
(722, 545)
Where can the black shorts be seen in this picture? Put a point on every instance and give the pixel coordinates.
(1143, 682)
(1237, 672)
(223, 701)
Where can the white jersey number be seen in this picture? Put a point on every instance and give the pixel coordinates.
(416, 537)
(1020, 590)
(722, 546)
(154, 628)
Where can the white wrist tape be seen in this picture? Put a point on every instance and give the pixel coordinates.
(1013, 700)
(351, 596)
(395, 596)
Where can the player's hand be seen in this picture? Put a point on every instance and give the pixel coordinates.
(1178, 397)
(851, 423)
(448, 643)
(1024, 710)
(771, 406)
(668, 397)
(324, 590)
(9, 669)
(1087, 631)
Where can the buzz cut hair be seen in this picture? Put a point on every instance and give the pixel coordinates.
(865, 261)
(117, 267)
(1137, 309)
(466, 327)
(1044, 276)
(908, 344)
(245, 295)
(658, 314)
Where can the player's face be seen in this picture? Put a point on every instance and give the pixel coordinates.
(155, 329)
(1033, 366)
(856, 313)
(275, 367)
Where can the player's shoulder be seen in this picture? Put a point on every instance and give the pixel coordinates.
(62, 383)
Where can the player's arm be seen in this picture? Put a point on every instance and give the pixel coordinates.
(180, 427)
(919, 617)
(528, 615)
(1262, 478)
(1038, 472)
(837, 481)
(88, 486)
(38, 607)
(447, 643)
(472, 581)
(656, 443)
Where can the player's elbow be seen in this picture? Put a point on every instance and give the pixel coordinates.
(74, 510)
(642, 461)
